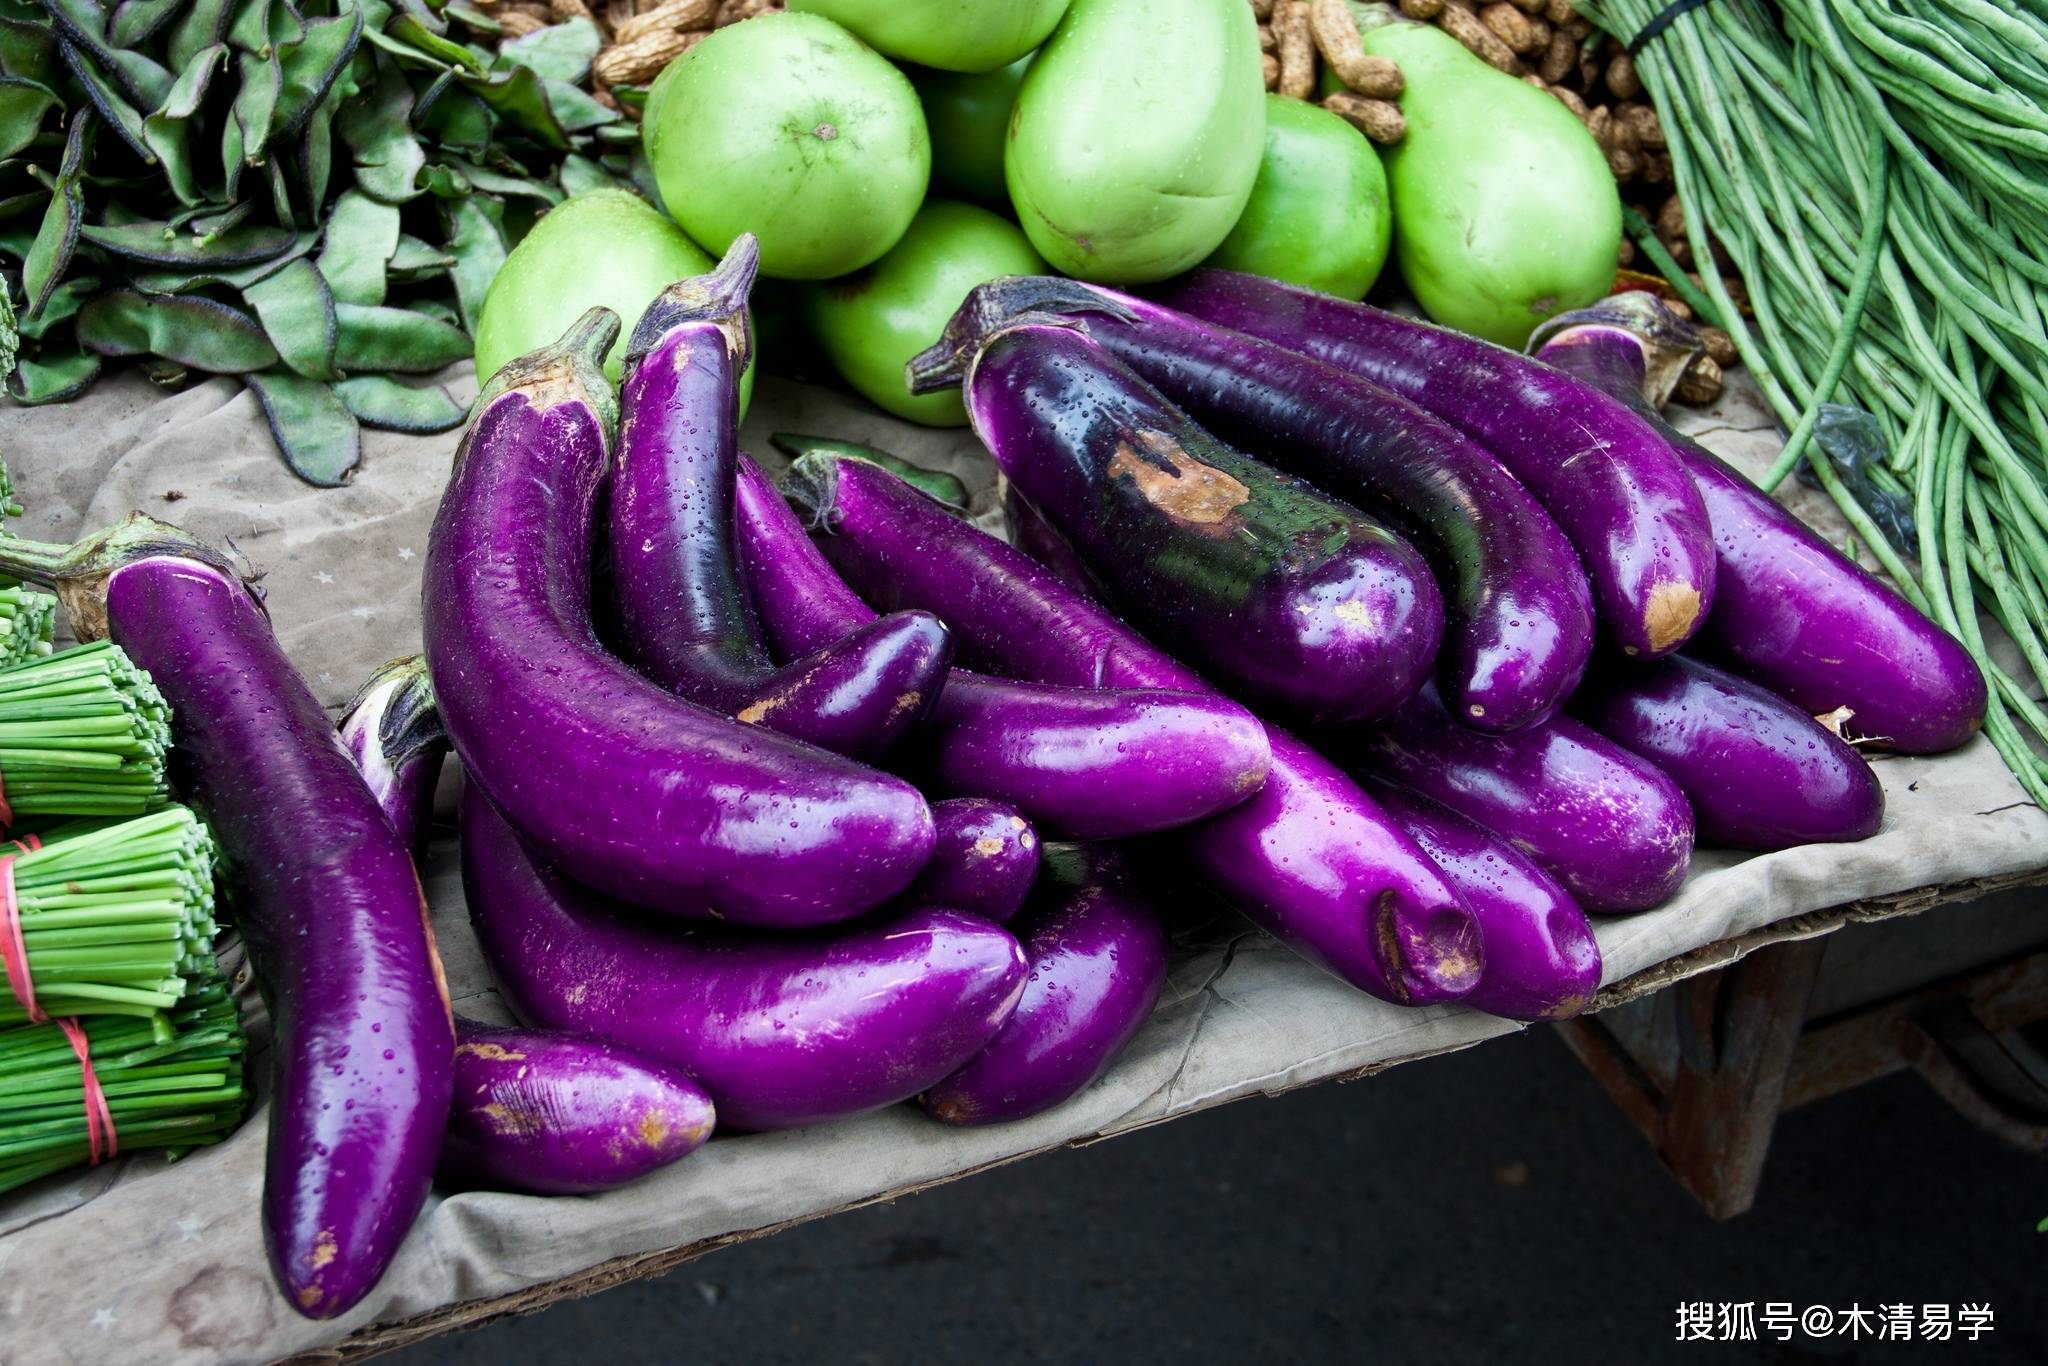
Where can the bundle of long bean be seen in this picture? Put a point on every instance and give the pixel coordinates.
(82, 733)
(1877, 170)
(178, 1087)
(26, 616)
(116, 917)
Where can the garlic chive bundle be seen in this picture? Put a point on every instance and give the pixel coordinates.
(82, 733)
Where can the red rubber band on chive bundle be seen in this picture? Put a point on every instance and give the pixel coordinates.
(13, 949)
(6, 811)
(99, 1116)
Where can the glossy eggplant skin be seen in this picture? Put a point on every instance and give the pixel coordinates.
(1092, 763)
(633, 791)
(985, 860)
(1518, 610)
(781, 1030)
(1087, 763)
(1276, 590)
(683, 612)
(1613, 830)
(1308, 856)
(323, 891)
(549, 1113)
(863, 694)
(1759, 772)
(1542, 962)
(1026, 528)
(393, 731)
(1790, 611)
(1098, 957)
(1606, 476)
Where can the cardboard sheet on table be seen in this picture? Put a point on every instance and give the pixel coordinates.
(165, 1263)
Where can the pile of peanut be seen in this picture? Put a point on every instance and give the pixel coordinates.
(640, 36)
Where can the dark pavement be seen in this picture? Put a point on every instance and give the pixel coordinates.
(1485, 1207)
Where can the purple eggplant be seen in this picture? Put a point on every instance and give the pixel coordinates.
(1087, 763)
(1098, 960)
(1091, 763)
(1031, 533)
(1610, 827)
(564, 1114)
(780, 1029)
(628, 789)
(1611, 482)
(861, 696)
(985, 860)
(322, 889)
(1790, 611)
(1519, 625)
(1542, 962)
(393, 731)
(683, 611)
(1309, 856)
(1274, 588)
(1759, 772)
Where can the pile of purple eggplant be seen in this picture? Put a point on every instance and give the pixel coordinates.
(732, 808)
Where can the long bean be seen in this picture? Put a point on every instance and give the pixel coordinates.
(1877, 171)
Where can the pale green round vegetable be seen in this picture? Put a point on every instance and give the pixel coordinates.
(607, 247)
(872, 322)
(1318, 215)
(952, 35)
(788, 127)
(1137, 136)
(969, 119)
(1505, 212)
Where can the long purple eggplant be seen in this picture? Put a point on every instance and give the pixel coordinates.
(1609, 479)
(1610, 827)
(985, 861)
(1542, 962)
(1098, 961)
(1790, 611)
(683, 611)
(550, 1113)
(1086, 763)
(1272, 587)
(860, 696)
(1026, 528)
(781, 1029)
(393, 731)
(1309, 857)
(1759, 772)
(322, 889)
(1091, 763)
(1519, 613)
(623, 786)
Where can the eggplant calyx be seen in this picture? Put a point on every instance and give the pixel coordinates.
(811, 487)
(397, 700)
(570, 370)
(79, 573)
(717, 299)
(1668, 343)
(996, 307)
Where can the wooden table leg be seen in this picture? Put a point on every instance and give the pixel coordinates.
(1739, 1028)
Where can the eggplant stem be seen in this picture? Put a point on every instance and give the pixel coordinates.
(569, 370)
(78, 573)
(399, 696)
(994, 308)
(1669, 344)
(718, 298)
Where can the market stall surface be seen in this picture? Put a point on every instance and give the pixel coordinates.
(167, 1261)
